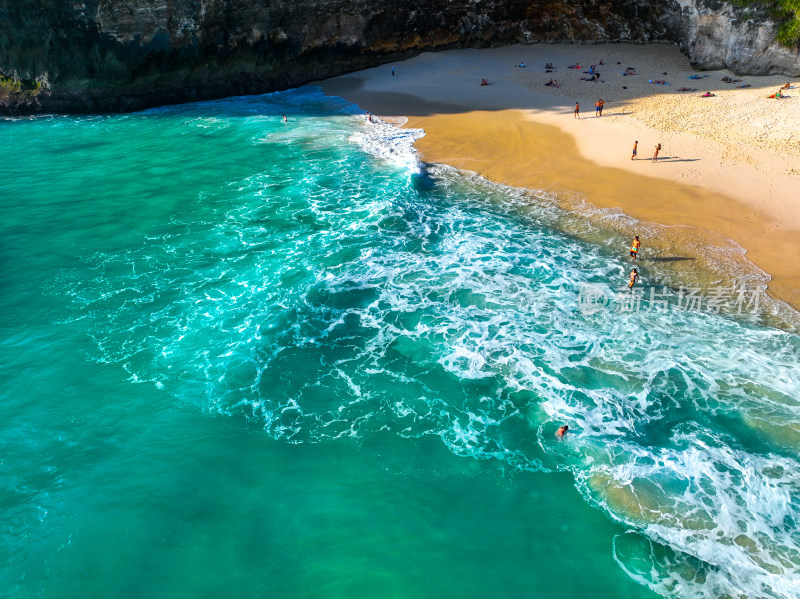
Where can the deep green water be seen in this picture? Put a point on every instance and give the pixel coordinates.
(248, 358)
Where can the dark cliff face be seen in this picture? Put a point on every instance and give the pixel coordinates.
(116, 55)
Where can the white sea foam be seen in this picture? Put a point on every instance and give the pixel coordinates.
(389, 142)
(330, 312)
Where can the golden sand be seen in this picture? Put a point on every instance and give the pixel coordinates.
(729, 168)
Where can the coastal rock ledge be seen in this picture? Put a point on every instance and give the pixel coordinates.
(89, 56)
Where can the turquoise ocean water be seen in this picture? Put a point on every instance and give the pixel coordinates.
(248, 358)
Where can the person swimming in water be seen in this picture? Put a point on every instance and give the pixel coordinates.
(562, 430)
(635, 245)
(633, 278)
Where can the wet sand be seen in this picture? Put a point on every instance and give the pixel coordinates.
(729, 168)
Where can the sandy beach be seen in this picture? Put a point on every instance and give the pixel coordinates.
(727, 181)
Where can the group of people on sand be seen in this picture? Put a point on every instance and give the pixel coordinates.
(593, 74)
(636, 151)
(779, 94)
(598, 107)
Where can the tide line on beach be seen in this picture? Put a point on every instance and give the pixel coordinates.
(727, 177)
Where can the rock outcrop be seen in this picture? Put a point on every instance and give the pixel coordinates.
(118, 55)
(715, 35)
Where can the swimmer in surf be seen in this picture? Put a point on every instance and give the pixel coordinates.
(633, 278)
(562, 430)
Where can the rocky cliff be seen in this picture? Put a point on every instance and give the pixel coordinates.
(116, 55)
(715, 35)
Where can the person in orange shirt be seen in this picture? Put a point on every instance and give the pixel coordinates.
(635, 245)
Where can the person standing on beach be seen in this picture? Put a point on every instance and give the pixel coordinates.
(635, 245)
(635, 146)
(633, 278)
(577, 110)
(392, 71)
(597, 108)
(655, 154)
(602, 103)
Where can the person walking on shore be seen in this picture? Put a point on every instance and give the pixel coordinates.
(635, 245)
(655, 154)
(577, 110)
(635, 146)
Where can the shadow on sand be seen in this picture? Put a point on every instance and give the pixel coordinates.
(676, 159)
(667, 259)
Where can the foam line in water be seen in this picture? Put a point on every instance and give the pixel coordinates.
(322, 295)
(390, 143)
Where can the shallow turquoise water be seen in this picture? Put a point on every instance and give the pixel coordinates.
(245, 358)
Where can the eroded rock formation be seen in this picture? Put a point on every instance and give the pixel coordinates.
(116, 55)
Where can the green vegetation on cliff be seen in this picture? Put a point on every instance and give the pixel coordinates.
(9, 86)
(786, 12)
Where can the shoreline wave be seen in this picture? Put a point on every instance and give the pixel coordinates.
(390, 142)
(350, 301)
(719, 263)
